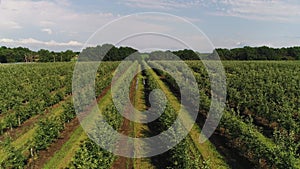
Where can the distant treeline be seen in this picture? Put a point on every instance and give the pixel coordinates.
(108, 52)
(20, 54)
(259, 53)
(246, 53)
(105, 52)
(169, 55)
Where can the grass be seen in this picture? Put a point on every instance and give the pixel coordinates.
(24, 139)
(207, 149)
(4, 115)
(63, 157)
(139, 128)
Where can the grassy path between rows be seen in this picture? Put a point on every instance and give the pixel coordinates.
(23, 140)
(140, 129)
(63, 157)
(207, 149)
(127, 128)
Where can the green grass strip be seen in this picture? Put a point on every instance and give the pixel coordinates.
(23, 141)
(207, 149)
(63, 157)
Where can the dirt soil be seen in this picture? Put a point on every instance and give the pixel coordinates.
(45, 155)
(15, 132)
(126, 129)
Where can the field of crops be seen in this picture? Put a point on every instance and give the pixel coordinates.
(260, 126)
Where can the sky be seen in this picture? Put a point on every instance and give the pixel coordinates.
(68, 24)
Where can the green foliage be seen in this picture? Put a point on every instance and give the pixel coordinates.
(19, 54)
(15, 158)
(47, 56)
(91, 156)
(259, 53)
(261, 94)
(180, 156)
(35, 88)
(186, 54)
(29, 89)
(12, 55)
(169, 55)
(69, 112)
(107, 52)
(47, 131)
(267, 91)
(245, 53)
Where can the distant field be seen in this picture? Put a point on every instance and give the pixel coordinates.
(259, 129)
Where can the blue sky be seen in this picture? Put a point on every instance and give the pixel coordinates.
(67, 24)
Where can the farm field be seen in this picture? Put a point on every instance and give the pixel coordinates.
(260, 126)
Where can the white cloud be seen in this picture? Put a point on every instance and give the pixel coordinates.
(32, 41)
(4, 40)
(273, 10)
(47, 30)
(162, 17)
(152, 30)
(31, 18)
(46, 23)
(31, 14)
(237, 43)
(63, 2)
(10, 24)
(160, 4)
(38, 17)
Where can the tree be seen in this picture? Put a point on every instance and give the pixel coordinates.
(45, 56)
(294, 52)
(67, 55)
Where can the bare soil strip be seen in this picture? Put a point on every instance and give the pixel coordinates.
(126, 129)
(28, 124)
(45, 155)
(207, 149)
(232, 156)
